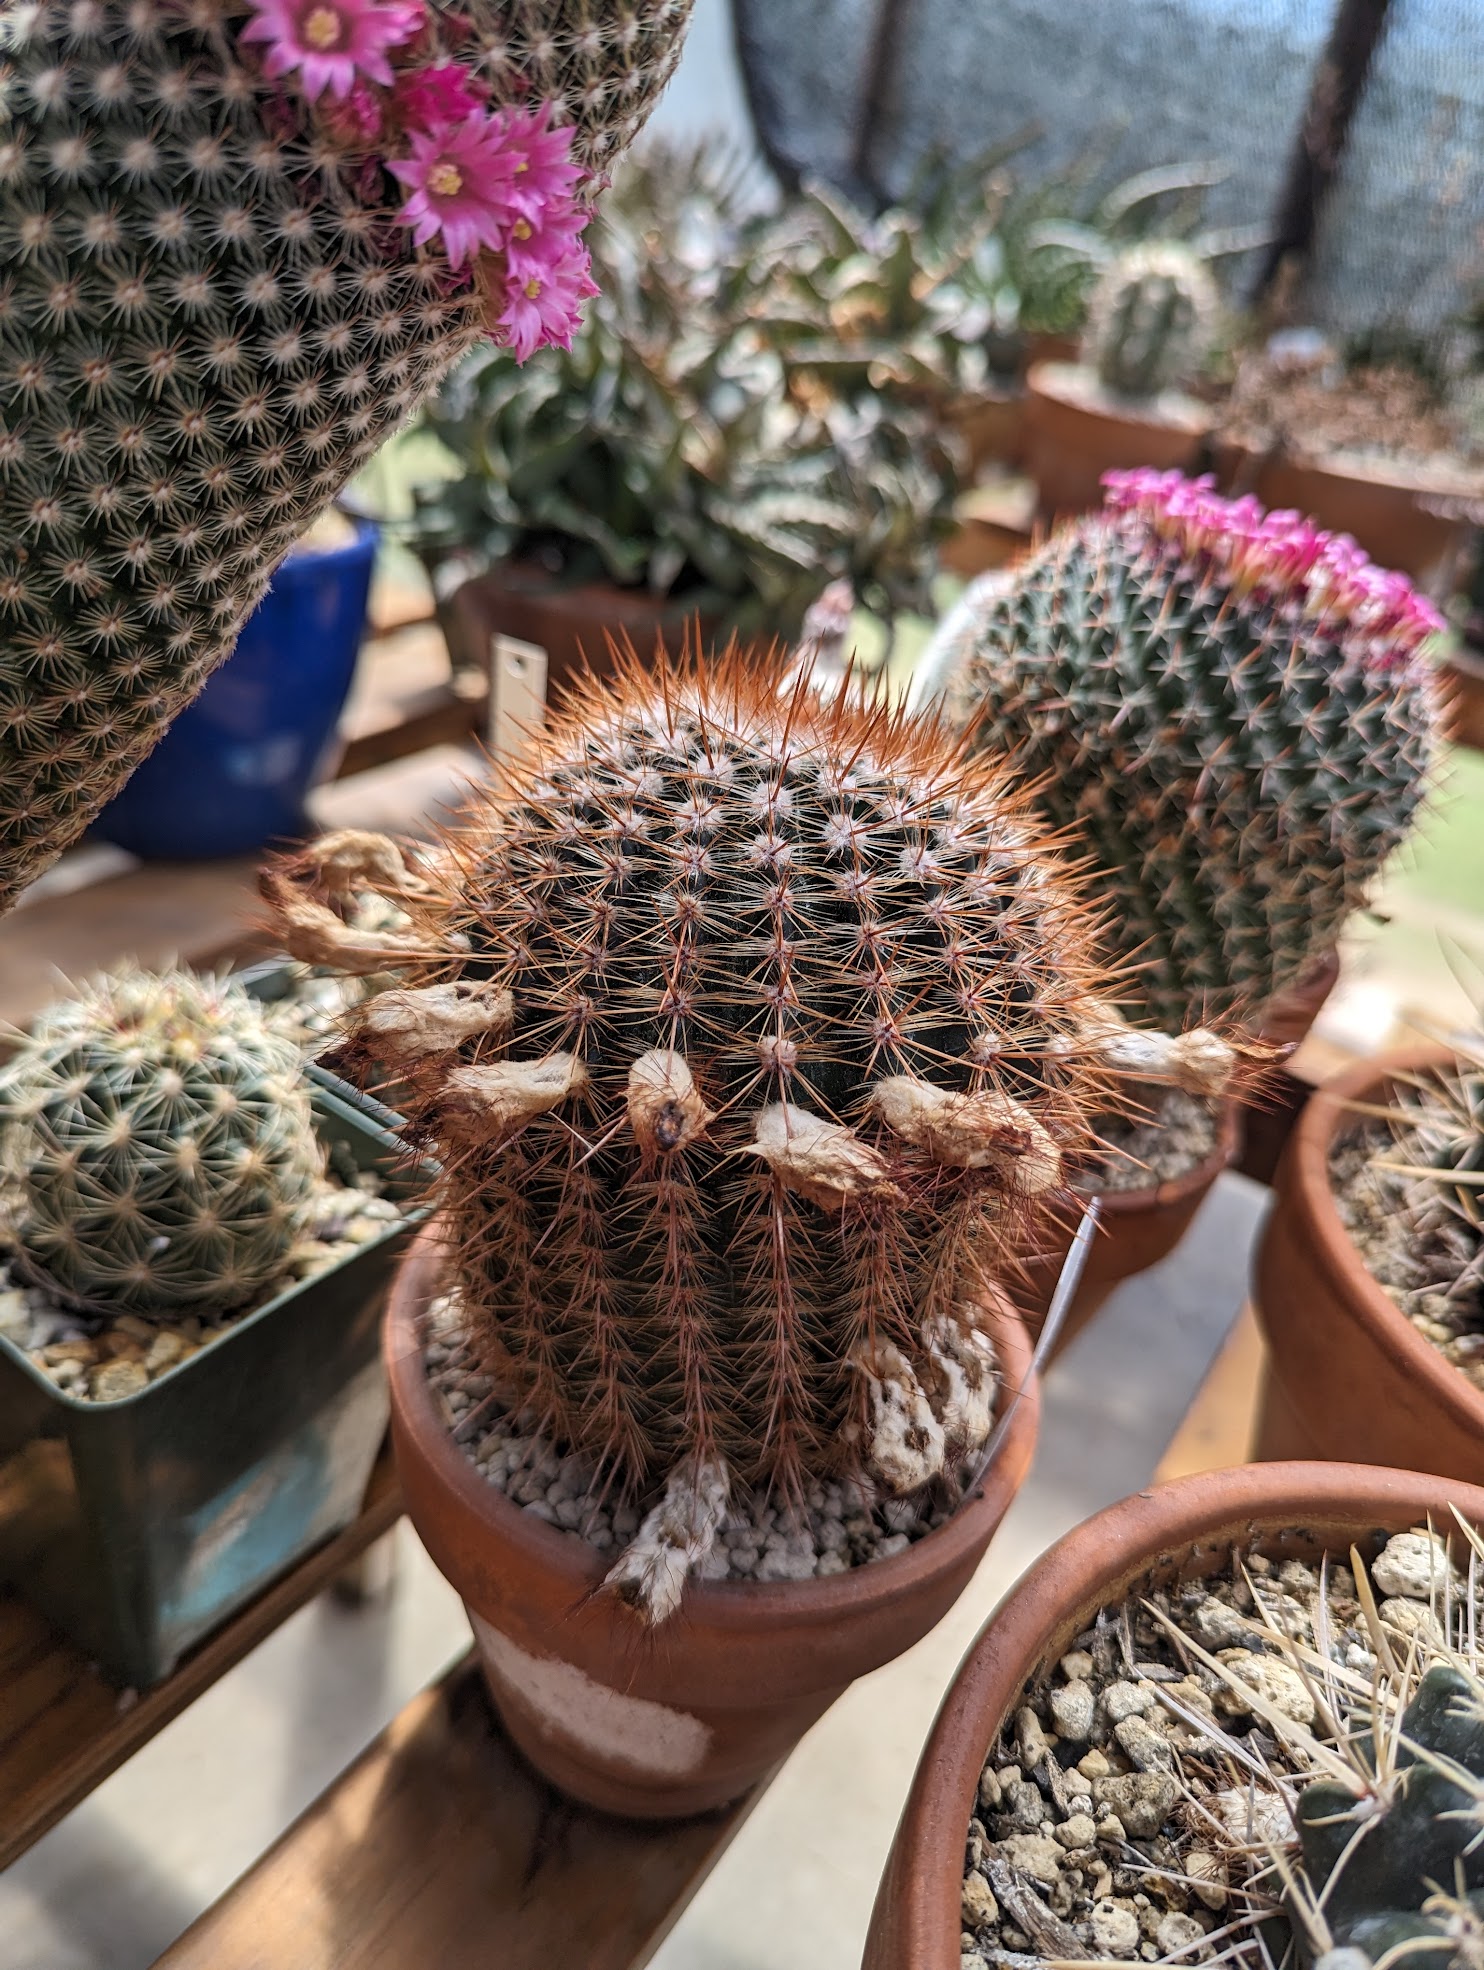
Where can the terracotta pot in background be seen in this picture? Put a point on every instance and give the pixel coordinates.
(1291, 1013)
(992, 427)
(1348, 1376)
(657, 1723)
(572, 625)
(1071, 442)
(1462, 674)
(1138, 1229)
(1175, 1531)
(1388, 515)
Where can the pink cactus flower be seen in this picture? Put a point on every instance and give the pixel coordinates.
(543, 305)
(332, 43)
(433, 98)
(461, 178)
(546, 172)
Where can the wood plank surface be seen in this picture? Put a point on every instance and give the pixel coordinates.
(63, 1729)
(1218, 1426)
(439, 1849)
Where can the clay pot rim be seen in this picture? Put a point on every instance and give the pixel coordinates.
(1042, 380)
(1391, 472)
(1092, 1566)
(741, 1606)
(1305, 1181)
(1174, 1190)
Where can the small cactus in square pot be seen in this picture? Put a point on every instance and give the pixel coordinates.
(195, 1242)
(761, 1030)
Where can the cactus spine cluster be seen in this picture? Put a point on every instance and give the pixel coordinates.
(1414, 1886)
(1230, 709)
(1152, 319)
(208, 322)
(158, 1146)
(760, 1029)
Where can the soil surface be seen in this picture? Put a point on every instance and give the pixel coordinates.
(1385, 414)
(841, 1525)
(1175, 1136)
(1124, 1810)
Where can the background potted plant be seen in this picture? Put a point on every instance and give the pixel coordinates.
(661, 472)
(741, 1094)
(1375, 440)
(1369, 1283)
(1233, 713)
(197, 1245)
(236, 766)
(1176, 1722)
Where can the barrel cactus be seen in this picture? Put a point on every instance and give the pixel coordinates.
(1413, 1886)
(158, 1148)
(1230, 709)
(1152, 319)
(752, 1032)
(241, 240)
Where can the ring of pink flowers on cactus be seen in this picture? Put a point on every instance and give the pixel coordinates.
(1282, 557)
(478, 180)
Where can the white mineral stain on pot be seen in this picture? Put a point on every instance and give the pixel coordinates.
(622, 1730)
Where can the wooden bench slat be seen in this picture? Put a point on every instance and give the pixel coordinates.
(1218, 1427)
(63, 1729)
(440, 1848)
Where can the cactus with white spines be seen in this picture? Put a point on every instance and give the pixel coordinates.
(1152, 320)
(1232, 713)
(158, 1147)
(210, 318)
(752, 1033)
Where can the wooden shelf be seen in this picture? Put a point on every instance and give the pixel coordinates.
(63, 1729)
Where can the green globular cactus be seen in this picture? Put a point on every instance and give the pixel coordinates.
(1152, 320)
(158, 1147)
(1229, 710)
(760, 1030)
(1411, 1882)
(210, 318)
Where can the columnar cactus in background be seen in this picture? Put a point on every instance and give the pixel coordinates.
(754, 1034)
(240, 241)
(1408, 1885)
(1230, 710)
(157, 1146)
(1152, 319)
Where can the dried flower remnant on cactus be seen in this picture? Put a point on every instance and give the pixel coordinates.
(158, 1149)
(1230, 708)
(793, 1019)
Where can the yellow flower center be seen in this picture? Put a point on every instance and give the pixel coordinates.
(524, 164)
(533, 288)
(322, 28)
(522, 229)
(445, 180)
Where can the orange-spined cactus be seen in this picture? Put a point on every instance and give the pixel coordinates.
(762, 1027)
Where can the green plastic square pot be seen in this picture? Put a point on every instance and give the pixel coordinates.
(138, 1526)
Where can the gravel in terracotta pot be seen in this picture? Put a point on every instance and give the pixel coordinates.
(1350, 1374)
(659, 1723)
(1045, 1635)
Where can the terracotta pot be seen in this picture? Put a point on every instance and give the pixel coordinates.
(1175, 1531)
(1071, 443)
(1290, 1014)
(1348, 1375)
(1138, 1228)
(685, 1717)
(1386, 514)
(1462, 673)
(992, 427)
(572, 625)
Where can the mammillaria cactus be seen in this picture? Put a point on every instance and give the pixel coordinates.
(754, 1031)
(240, 242)
(1152, 319)
(1230, 709)
(158, 1147)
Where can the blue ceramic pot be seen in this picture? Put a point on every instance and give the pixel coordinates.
(234, 768)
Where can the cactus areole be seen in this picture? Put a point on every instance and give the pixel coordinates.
(764, 1028)
(1229, 708)
(240, 240)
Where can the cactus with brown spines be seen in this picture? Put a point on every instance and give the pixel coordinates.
(209, 320)
(1233, 713)
(759, 1032)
